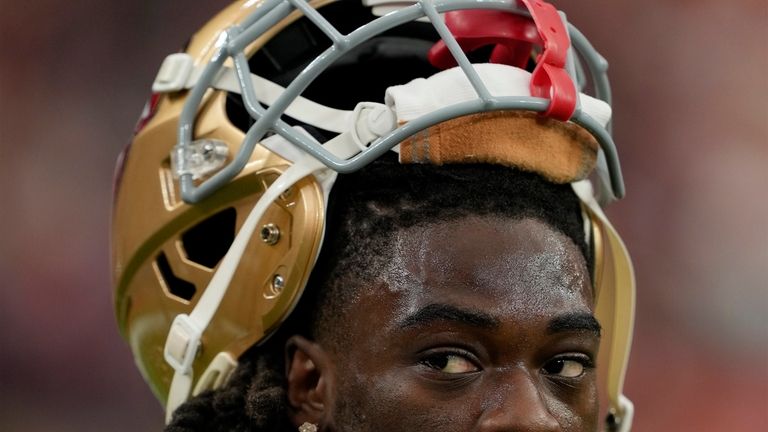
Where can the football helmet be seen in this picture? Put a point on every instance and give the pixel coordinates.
(237, 150)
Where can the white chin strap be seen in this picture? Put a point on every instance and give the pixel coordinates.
(185, 333)
(407, 101)
(178, 72)
(615, 304)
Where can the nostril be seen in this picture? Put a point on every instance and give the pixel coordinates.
(521, 403)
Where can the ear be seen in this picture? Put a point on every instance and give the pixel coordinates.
(311, 382)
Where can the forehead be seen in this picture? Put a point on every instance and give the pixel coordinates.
(521, 268)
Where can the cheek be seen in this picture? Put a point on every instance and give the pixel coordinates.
(578, 413)
(396, 402)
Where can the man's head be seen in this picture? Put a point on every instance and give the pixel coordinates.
(494, 335)
(235, 272)
(456, 301)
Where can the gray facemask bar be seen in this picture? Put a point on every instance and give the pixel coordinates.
(270, 13)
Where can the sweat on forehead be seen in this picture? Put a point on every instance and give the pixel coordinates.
(368, 207)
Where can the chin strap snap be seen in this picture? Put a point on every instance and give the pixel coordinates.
(621, 420)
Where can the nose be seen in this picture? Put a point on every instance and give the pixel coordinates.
(516, 404)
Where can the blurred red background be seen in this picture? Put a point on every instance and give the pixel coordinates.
(690, 84)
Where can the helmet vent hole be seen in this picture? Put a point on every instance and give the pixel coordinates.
(207, 242)
(176, 286)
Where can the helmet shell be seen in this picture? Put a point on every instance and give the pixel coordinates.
(164, 251)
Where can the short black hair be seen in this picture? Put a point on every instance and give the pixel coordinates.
(365, 209)
(368, 206)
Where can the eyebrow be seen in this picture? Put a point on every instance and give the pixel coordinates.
(443, 312)
(574, 322)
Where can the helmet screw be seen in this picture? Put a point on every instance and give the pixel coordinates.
(286, 195)
(207, 150)
(278, 283)
(270, 234)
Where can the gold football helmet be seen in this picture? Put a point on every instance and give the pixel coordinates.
(220, 198)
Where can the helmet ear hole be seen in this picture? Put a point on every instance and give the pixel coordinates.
(175, 286)
(207, 242)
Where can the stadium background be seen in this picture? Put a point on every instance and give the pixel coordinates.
(690, 83)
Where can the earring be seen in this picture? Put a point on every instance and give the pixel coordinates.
(308, 427)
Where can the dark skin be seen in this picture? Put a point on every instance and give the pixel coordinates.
(480, 324)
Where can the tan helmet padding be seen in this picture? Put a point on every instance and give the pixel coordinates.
(560, 152)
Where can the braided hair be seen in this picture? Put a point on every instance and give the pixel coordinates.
(365, 211)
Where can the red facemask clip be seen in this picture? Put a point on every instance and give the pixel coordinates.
(513, 37)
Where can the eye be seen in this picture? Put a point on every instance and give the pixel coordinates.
(450, 363)
(566, 367)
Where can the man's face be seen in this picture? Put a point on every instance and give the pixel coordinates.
(479, 324)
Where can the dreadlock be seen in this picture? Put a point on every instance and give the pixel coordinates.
(366, 209)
